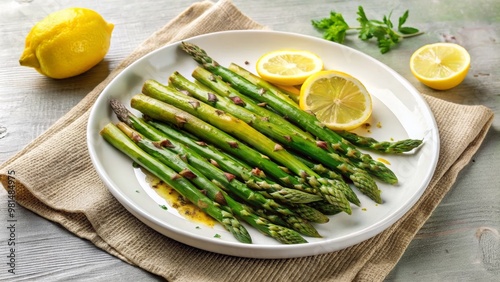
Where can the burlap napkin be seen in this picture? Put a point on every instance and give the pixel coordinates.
(62, 185)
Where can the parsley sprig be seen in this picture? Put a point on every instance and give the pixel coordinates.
(335, 29)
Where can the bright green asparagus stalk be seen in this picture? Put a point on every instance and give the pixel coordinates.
(289, 98)
(325, 209)
(119, 140)
(275, 191)
(374, 194)
(168, 113)
(395, 147)
(227, 123)
(281, 131)
(158, 131)
(190, 169)
(261, 123)
(306, 211)
(174, 153)
(172, 115)
(272, 217)
(255, 178)
(242, 130)
(305, 120)
(221, 88)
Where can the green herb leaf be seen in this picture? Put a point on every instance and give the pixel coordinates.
(385, 44)
(408, 30)
(362, 19)
(387, 21)
(403, 19)
(334, 28)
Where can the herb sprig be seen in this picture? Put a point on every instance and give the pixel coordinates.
(334, 28)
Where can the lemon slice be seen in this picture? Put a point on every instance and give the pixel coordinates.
(338, 100)
(440, 66)
(288, 67)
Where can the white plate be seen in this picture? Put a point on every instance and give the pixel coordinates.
(399, 108)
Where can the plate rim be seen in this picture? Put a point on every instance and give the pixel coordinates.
(259, 251)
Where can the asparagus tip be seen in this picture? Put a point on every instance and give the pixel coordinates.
(120, 110)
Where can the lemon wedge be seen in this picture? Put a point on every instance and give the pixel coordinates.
(440, 66)
(339, 100)
(288, 67)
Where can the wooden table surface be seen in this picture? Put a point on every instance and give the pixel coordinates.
(460, 241)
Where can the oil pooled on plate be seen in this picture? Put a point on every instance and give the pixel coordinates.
(176, 201)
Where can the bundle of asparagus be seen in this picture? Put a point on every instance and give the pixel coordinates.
(240, 148)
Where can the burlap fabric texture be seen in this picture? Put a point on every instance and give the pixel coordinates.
(63, 187)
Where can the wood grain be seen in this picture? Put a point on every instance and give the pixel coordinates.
(460, 242)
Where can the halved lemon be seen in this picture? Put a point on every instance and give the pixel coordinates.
(339, 100)
(288, 67)
(440, 66)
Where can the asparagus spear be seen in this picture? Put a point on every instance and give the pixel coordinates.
(168, 113)
(325, 209)
(220, 87)
(225, 98)
(276, 191)
(255, 178)
(272, 217)
(191, 170)
(396, 147)
(227, 123)
(282, 131)
(306, 211)
(184, 159)
(305, 120)
(264, 84)
(250, 135)
(348, 192)
(119, 140)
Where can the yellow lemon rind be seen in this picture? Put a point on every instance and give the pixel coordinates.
(67, 43)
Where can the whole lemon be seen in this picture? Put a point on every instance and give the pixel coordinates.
(67, 43)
